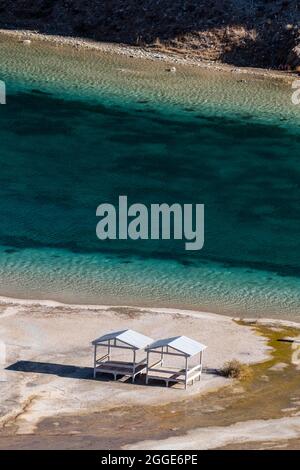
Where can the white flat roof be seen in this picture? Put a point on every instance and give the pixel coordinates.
(183, 344)
(130, 337)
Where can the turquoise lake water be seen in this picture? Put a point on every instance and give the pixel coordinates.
(60, 158)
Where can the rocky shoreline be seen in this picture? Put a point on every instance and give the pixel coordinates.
(251, 33)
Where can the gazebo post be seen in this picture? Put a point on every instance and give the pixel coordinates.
(147, 368)
(108, 350)
(133, 367)
(186, 372)
(201, 357)
(95, 359)
(162, 356)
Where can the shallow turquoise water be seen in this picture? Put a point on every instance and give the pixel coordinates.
(61, 158)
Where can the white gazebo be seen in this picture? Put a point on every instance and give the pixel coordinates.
(124, 340)
(175, 348)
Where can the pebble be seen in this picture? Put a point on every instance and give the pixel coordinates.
(279, 366)
(264, 378)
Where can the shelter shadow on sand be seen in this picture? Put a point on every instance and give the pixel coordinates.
(81, 373)
(67, 371)
(61, 370)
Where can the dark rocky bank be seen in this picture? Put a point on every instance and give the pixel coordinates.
(260, 33)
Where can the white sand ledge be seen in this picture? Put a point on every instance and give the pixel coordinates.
(220, 436)
(59, 335)
(162, 310)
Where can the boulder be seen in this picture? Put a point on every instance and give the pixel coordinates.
(293, 59)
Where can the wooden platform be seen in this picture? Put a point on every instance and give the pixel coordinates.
(120, 368)
(173, 375)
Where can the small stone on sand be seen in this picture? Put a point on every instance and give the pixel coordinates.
(279, 367)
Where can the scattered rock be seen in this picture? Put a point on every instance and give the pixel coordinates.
(279, 366)
(293, 59)
(171, 69)
(264, 378)
(26, 41)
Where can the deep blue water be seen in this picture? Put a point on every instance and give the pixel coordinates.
(60, 159)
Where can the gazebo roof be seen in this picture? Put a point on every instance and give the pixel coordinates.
(130, 337)
(183, 344)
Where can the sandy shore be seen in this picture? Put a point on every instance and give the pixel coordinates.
(53, 336)
(47, 388)
(143, 53)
